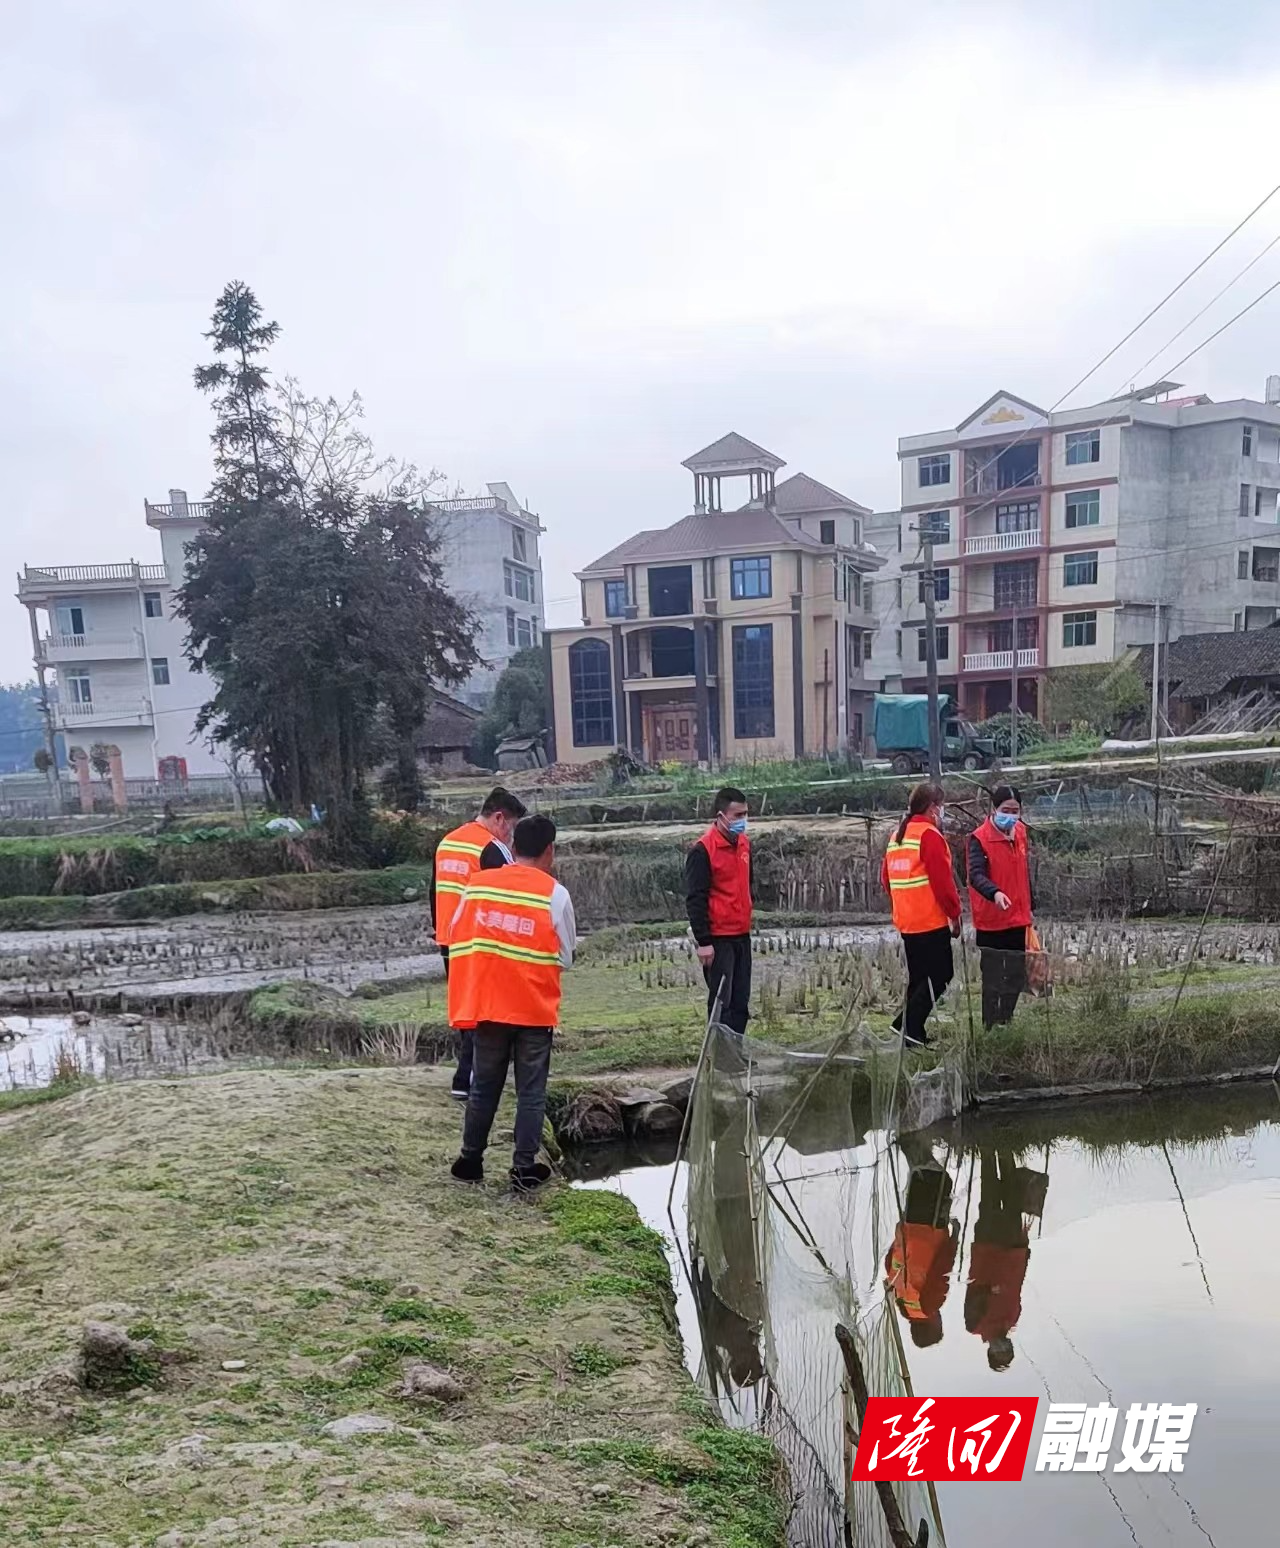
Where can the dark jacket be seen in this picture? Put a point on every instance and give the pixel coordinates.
(697, 891)
(491, 857)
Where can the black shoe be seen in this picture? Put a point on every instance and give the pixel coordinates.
(527, 1179)
(468, 1169)
(459, 1093)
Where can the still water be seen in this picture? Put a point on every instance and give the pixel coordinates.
(1146, 1238)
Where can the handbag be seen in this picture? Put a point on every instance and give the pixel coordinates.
(1039, 977)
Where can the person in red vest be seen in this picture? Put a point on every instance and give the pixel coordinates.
(916, 873)
(1001, 903)
(998, 1262)
(717, 888)
(918, 1265)
(482, 845)
(513, 933)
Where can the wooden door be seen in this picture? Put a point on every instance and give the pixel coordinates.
(672, 733)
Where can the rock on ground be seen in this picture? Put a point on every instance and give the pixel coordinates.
(422, 1380)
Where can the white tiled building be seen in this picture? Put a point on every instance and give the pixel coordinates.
(107, 634)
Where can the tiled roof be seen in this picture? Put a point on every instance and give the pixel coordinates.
(799, 495)
(713, 533)
(1201, 665)
(732, 448)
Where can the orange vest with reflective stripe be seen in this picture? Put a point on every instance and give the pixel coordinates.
(504, 957)
(457, 857)
(917, 1266)
(915, 909)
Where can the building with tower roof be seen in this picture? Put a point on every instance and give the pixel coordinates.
(738, 632)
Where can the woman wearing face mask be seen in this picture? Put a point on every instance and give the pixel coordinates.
(917, 875)
(1001, 904)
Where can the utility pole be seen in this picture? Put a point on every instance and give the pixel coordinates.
(1155, 678)
(928, 537)
(1013, 694)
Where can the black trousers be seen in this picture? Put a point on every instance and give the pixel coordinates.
(730, 967)
(1003, 958)
(929, 971)
(497, 1046)
(466, 1043)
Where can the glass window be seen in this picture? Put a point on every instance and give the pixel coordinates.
(70, 617)
(941, 585)
(79, 688)
(1080, 569)
(1083, 446)
(753, 680)
(934, 470)
(1242, 564)
(942, 642)
(1246, 441)
(937, 525)
(1024, 516)
(827, 531)
(615, 598)
(1079, 629)
(152, 605)
(751, 578)
(590, 694)
(1266, 564)
(524, 633)
(160, 671)
(1083, 508)
(518, 550)
(511, 626)
(1015, 584)
(516, 582)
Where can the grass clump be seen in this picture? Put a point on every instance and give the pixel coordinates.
(456, 1323)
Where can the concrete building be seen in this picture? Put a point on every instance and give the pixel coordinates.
(107, 634)
(733, 634)
(492, 565)
(1065, 535)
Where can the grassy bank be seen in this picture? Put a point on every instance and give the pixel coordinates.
(262, 894)
(301, 1229)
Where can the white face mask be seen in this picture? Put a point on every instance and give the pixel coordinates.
(942, 815)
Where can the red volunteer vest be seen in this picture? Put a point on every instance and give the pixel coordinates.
(729, 906)
(1007, 866)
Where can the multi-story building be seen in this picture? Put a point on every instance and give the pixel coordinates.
(1064, 537)
(108, 634)
(734, 634)
(492, 564)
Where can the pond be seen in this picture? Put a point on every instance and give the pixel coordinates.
(1144, 1236)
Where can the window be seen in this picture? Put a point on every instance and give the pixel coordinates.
(518, 550)
(1266, 564)
(853, 651)
(670, 590)
(1083, 446)
(79, 688)
(1244, 502)
(936, 525)
(942, 642)
(1242, 564)
(70, 619)
(751, 578)
(1246, 441)
(1080, 569)
(1079, 629)
(897, 642)
(1015, 584)
(590, 694)
(1237, 622)
(826, 531)
(615, 598)
(934, 470)
(897, 592)
(1022, 517)
(524, 633)
(753, 680)
(151, 604)
(853, 587)
(1083, 507)
(160, 671)
(899, 537)
(511, 626)
(941, 586)
(1257, 502)
(516, 582)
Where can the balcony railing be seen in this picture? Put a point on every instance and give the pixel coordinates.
(1003, 542)
(90, 647)
(193, 510)
(109, 712)
(54, 574)
(1001, 660)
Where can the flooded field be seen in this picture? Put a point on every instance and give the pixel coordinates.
(1137, 1247)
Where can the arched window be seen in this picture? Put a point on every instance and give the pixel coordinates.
(591, 694)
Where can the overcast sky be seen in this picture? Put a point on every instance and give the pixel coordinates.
(566, 244)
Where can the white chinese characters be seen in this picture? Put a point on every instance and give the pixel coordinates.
(1077, 1437)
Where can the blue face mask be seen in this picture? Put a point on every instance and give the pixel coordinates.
(1005, 821)
(738, 826)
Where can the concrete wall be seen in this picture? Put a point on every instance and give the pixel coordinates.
(474, 545)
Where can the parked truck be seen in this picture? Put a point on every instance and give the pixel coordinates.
(902, 734)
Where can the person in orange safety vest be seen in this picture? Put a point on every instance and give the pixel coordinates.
(918, 1264)
(512, 935)
(998, 1261)
(917, 875)
(482, 845)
